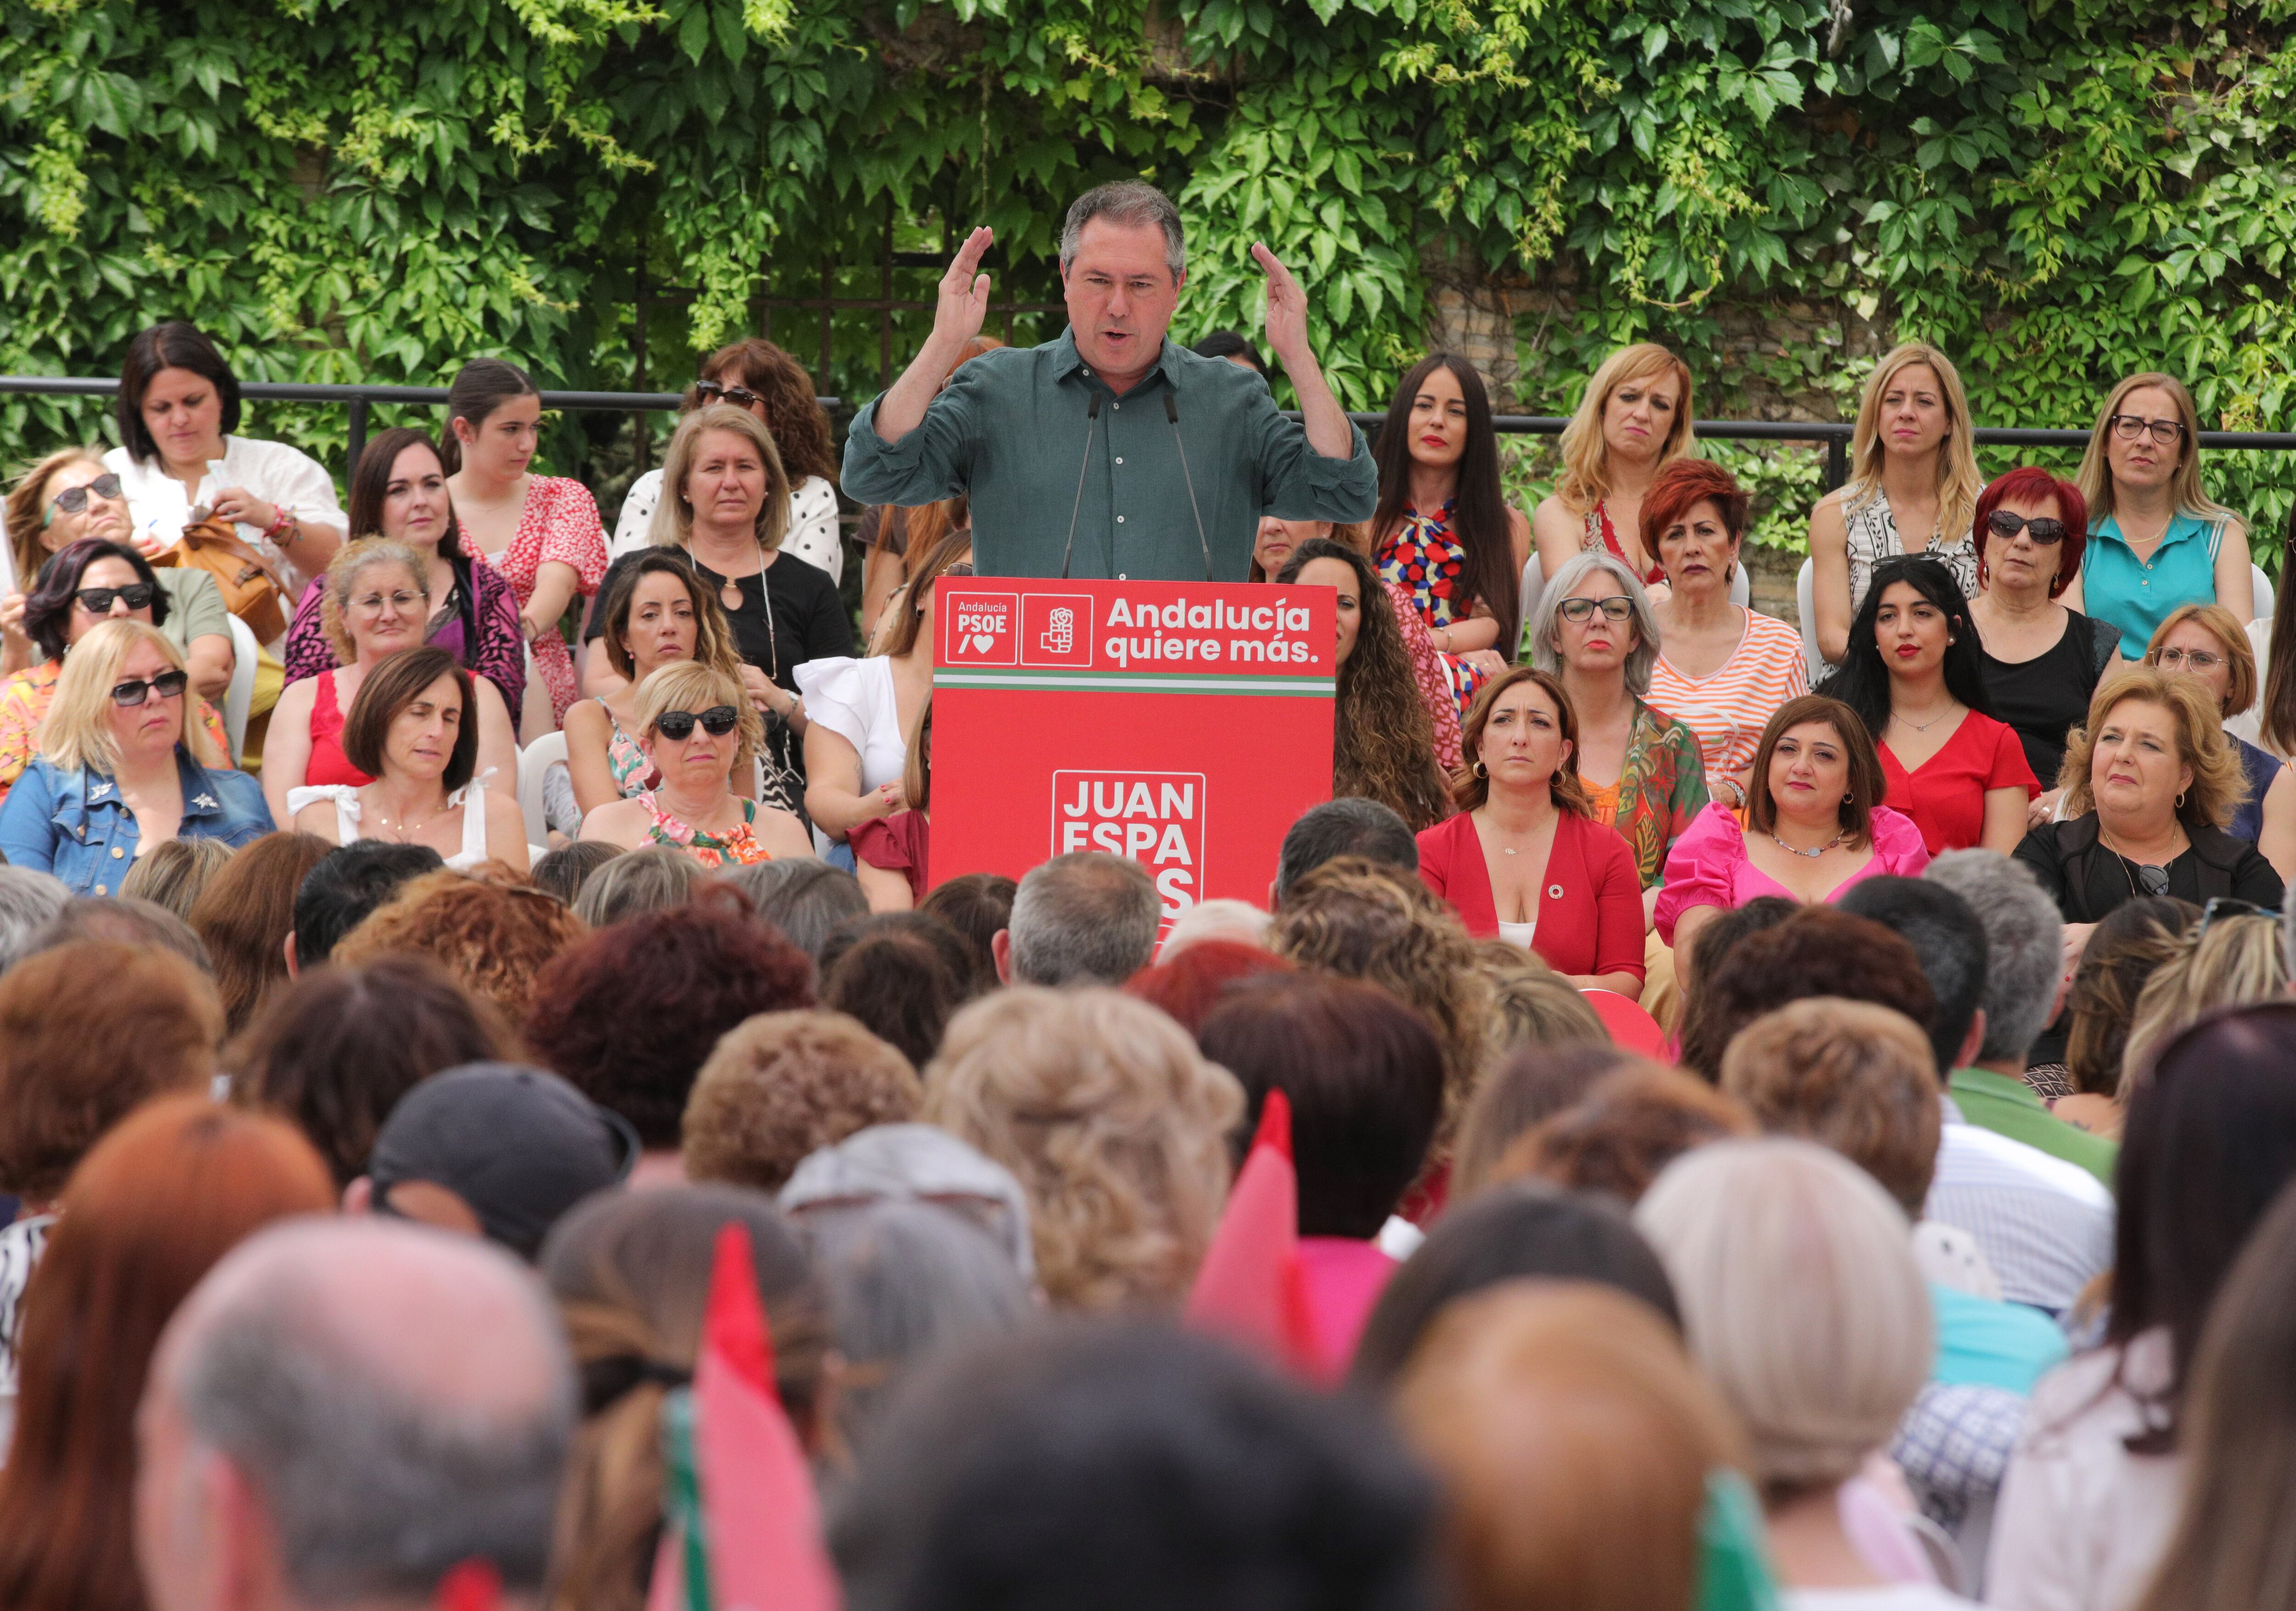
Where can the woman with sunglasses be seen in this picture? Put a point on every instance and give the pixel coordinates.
(412, 731)
(2204, 642)
(70, 495)
(92, 581)
(693, 720)
(759, 377)
(376, 602)
(2039, 658)
(122, 767)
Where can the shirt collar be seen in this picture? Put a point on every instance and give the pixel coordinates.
(1067, 361)
(202, 800)
(1984, 1082)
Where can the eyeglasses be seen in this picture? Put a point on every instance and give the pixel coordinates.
(168, 685)
(2230, 906)
(963, 569)
(402, 599)
(97, 600)
(2130, 427)
(677, 725)
(2193, 659)
(1614, 608)
(73, 498)
(740, 397)
(2044, 531)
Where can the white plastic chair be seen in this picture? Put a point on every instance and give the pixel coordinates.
(534, 763)
(1806, 606)
(2263, 585)
(241, 691)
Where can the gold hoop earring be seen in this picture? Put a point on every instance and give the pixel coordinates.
(1480, 771)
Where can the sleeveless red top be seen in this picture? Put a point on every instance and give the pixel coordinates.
(329, 763)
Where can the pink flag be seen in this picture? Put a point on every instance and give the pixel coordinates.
(1249, 1288)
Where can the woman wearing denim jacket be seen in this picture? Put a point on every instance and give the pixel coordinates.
(120, 769)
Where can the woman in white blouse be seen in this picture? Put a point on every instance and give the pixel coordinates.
(761, 377)
(862, 711)
(179, 406)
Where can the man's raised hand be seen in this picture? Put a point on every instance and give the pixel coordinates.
(963, 302)
(1287, 306)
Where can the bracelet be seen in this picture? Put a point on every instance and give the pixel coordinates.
(282, 518)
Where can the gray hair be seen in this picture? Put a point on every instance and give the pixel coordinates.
(30, 901)
(646, 879)
(1086, 918)
(125, 920)
(1545, 647)
(2024, 946)
(803, 898)
(905, 1162)
(376, 1491)
(1132, 202)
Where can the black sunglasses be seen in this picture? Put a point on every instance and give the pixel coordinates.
(677, 725)
(73, 498)
(97, 600)
(2044, 531)
(740, 397)
(168, 685)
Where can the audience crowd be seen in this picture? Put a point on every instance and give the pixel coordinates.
(1709, 1117)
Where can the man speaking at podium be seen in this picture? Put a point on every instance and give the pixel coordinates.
(1112, 452)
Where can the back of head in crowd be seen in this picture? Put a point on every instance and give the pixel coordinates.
(1947, 938)
(29, 902)
(1349, 826)
(350, 1410)
(1127, 1468)
(807, 900)
(247, 914)
(1624, 1133)
(785, 1085)
(346, 884)
(2024, 950)
(565, 870)
(976, 905)
(901, 975)
(1817, 951)
(1190, 984)
(494, 933)
(175, 874)
(122, 921)
(1086, 918)
(654, 878)
(1532, 1086)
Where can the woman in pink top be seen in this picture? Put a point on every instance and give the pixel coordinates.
(1815, 824)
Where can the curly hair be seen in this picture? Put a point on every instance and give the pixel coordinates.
(1115, 1124)
(793, 413)
(491, 932)
(781, 1086)
(1383, 739)
(1819, 951)
(1358, 918)
(2219, 783)
(631, 1013)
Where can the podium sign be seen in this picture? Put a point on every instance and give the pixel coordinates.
(1184, 725)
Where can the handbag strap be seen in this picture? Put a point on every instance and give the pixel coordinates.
(218, 534)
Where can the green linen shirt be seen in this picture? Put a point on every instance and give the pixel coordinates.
(1011, 432)
(2007, 1107)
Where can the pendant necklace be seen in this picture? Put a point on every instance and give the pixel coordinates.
(1811, 854)
(1898, 715)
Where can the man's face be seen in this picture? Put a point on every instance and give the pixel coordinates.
(1121, 297)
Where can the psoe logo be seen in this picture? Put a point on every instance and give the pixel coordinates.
(1056, 629)
(1156, 818)
(983, 631)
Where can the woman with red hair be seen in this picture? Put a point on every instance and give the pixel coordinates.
(1722, 668)
(2041, 660)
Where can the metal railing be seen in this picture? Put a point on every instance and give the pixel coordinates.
(1833, 435)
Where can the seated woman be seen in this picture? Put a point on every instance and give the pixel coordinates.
(1723, 668)
(411, 731)
(891, 854)
(122, 767)
(688, 716)
(2202, 641)
(1597, 634)
(2270, 722)
(92, 581)
(657, 614)
(1632, 419)
(2040, 661)
(1911, 674)
(862, 711)
(1815, 825)
(1525, 859)
(376, 602)
(69, 496)
(2150, 783)
(399, 491)
(1383, 744)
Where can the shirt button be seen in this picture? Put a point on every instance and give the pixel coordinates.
(1119, 520)
(1116, 406)
(1119, 461)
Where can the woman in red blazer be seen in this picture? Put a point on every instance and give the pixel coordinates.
(1525, 859)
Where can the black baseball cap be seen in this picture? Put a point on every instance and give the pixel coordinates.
(518, 1146)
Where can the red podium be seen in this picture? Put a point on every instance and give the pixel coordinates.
(1185, 725)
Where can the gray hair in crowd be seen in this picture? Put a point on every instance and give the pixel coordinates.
(803, 898)
(2024, 946)
(376, 1488)
(648, 880)
(907, 1163)
(30, 901)
(1545, 645)
(1130, 202)
(122, 921)
(1086, 918)
(1349, 825)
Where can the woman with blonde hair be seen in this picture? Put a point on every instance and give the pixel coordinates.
(1913, 473)
(727, 510)
(1634, 416)
(121, 768)
(688, 715)
(2204, 642)
(2157, 540)
(2230, 958)
(1115, 1124)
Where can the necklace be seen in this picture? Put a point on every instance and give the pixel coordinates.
(1811, 854)
(1896, 715)
(407, 826)
(729, 594)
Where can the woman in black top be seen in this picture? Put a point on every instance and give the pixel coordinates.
(725, 504)
(2040, 661)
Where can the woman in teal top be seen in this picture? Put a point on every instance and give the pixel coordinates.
(2156, 540)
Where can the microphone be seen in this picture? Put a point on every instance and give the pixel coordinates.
(1091, 424)
(1172, 416)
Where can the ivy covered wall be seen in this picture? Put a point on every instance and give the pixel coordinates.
(342, 190)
